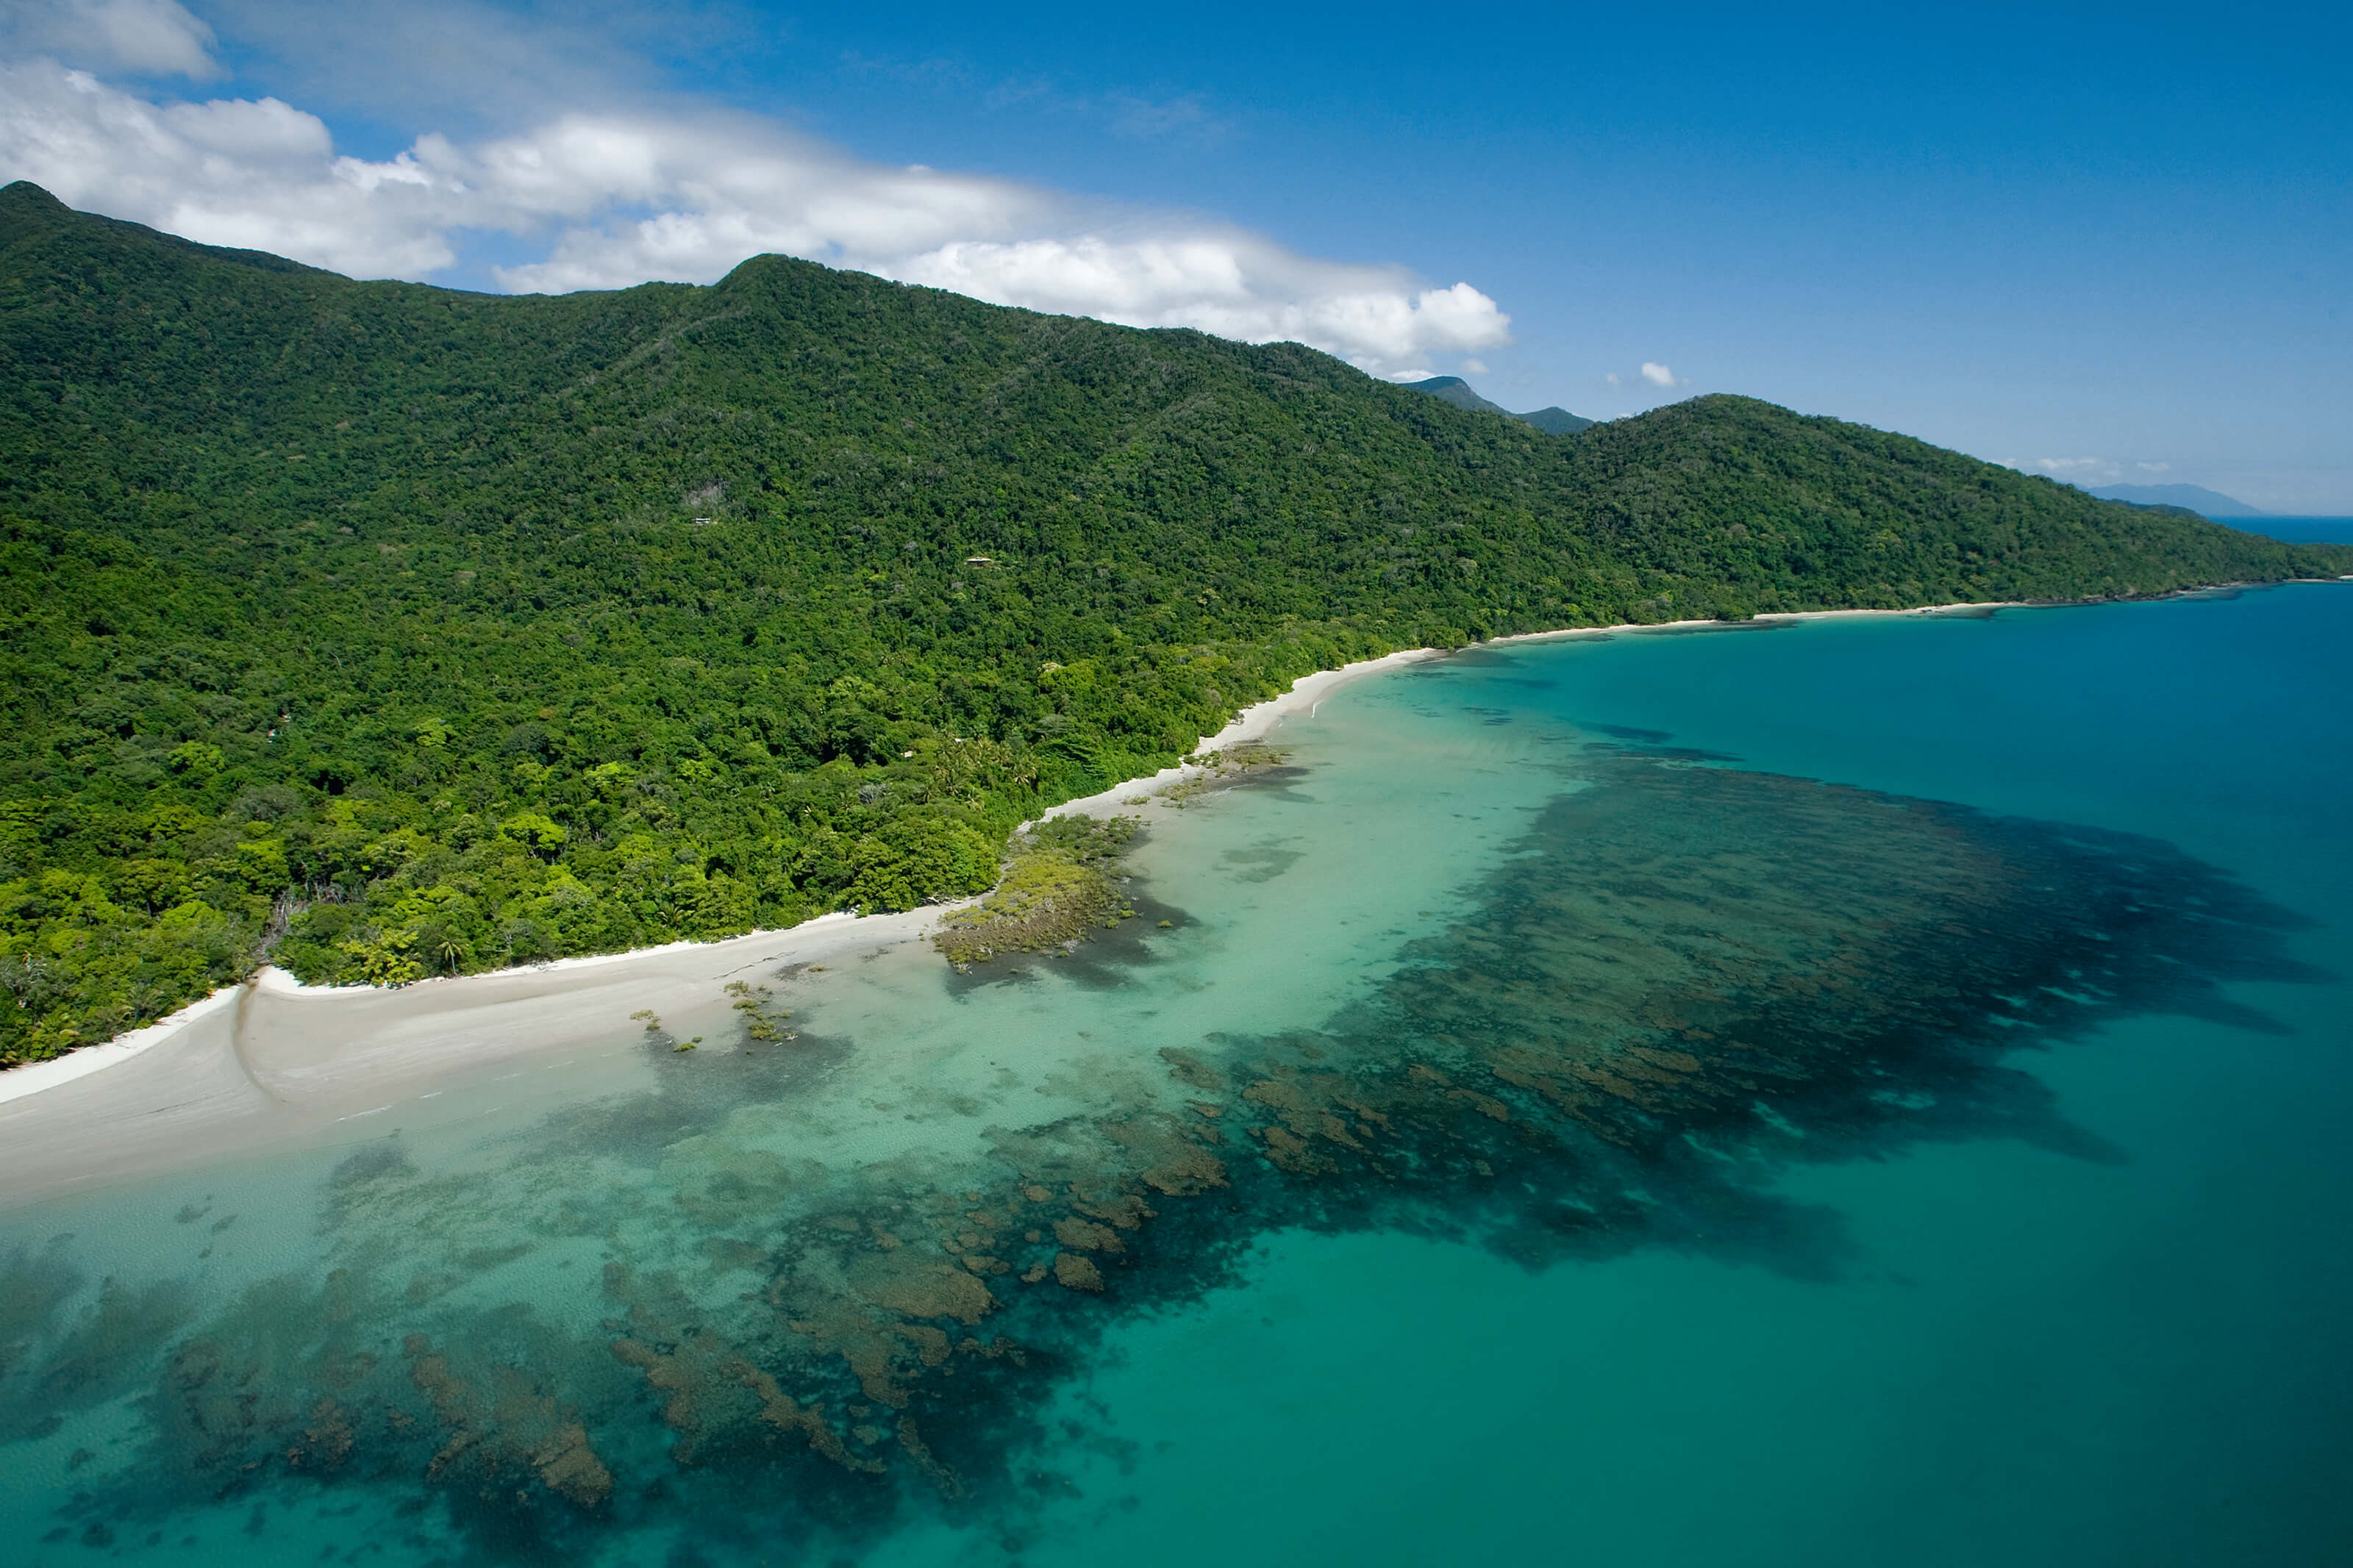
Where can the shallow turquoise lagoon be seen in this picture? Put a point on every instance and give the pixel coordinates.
(1867, 1091)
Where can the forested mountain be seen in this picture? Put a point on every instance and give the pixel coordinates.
(1555, 421)
(1453, 389)
(401, 630)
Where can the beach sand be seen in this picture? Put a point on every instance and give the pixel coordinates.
(258, 1066)
(255, 1066)
(275, 1062)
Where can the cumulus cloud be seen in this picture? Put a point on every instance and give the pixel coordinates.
(622, 198)
(257, 174)
(145, 37)
(2154, 468)
(1650, 376)
(1225, 282)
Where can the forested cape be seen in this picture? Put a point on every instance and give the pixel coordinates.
(389, 631)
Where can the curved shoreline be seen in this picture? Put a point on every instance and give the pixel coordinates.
(820, 936)
(393, 1036)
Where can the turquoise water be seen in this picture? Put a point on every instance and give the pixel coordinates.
(1664, 1099)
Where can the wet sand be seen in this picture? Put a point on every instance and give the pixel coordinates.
(276, 1062)
(256, 1066)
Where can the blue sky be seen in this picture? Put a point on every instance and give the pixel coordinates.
(2107, 243)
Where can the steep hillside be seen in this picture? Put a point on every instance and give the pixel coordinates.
(415, 631)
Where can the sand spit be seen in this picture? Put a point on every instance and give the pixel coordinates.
(275, 1062)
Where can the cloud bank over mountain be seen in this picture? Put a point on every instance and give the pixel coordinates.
(607, 198)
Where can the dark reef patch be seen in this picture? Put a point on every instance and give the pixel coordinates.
(690, 1088)
(1680, 981)
(1099, 960)
(34, 1290)
(1628, 732)
(1281, 780)
(1260, 862)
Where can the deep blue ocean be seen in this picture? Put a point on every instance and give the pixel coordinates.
(1866, 1091)
(2300, 529)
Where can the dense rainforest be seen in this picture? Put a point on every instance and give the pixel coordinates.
(389, 631)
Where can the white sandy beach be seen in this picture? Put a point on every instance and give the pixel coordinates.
(274, 1060)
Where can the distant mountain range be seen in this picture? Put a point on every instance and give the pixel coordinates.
(2192, 497)
(1455, 390)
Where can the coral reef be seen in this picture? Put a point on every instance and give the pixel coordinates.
(1682, 976)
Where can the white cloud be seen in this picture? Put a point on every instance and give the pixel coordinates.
(1651, 374)
(256, 173)
(145, 37)
(2084, 471)
(623, 198)
(1474, 367)
(2075, 470)
(1232, 284)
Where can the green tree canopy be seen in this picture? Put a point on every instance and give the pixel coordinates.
(396, 631)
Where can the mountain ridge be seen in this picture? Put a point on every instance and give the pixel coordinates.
(2197, 498)
(394, 630)
(1454, 390)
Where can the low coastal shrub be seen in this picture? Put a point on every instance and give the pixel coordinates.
(1216, 770)
(1057, 889)
(764, 1021)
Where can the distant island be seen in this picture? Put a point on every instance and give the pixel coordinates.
(392, 631)
(1455, 390)
(2190, 498)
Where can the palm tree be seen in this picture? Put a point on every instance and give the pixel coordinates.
(441, 947)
